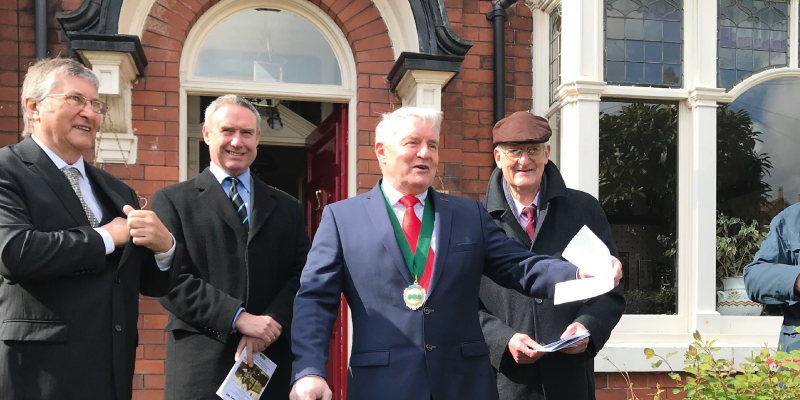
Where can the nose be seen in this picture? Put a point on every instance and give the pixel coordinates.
(423, 152)
(236, 140)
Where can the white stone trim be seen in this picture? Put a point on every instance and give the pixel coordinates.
(422, 88)
(756, 79)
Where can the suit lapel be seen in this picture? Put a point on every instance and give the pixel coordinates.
(101, 184)
(214, 197)
(379, 215)
(441, 227)
(262, 205)
(42, 165)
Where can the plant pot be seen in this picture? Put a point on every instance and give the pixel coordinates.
(733, 300)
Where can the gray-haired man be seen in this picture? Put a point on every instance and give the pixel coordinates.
(74, 251)
(246, 245)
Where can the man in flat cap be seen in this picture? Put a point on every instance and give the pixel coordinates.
(528, 199)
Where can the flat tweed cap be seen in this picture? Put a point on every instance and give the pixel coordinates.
(521, 127)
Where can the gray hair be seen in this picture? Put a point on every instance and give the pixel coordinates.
(391, 122)
(43, 75)
(230, 100)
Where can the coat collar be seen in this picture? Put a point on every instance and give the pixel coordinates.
(495, 200)
(210, 191)
(379, 215)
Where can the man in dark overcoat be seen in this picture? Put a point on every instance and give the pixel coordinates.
(246, 244)
(527, 197)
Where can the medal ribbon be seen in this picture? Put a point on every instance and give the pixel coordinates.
(416, 262)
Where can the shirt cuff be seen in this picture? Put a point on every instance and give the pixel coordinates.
(163, 260)
(233, 324)
(108, 241)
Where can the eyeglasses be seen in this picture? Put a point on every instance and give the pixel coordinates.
(514, 153)
(77, 100)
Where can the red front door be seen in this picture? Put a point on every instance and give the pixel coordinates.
(326, 182)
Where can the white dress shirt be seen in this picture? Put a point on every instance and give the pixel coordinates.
(162, 259)
(399, 209)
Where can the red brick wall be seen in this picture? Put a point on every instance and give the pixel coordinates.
(614, 386)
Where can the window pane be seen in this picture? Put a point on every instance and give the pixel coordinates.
(555, 52)
(268, 45)
(638, 185)
(753, 28)
(757, 162)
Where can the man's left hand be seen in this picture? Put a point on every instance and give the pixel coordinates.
(579, 346)
(147, 230)
(616, 267)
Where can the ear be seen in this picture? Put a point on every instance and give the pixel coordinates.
(547, 153)
(33, 108)
(497, 155)
(207, 135)
(380, 153)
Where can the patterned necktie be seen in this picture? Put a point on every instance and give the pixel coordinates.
(72, 175)
(238, 202)
(530, 227)
(411, 228)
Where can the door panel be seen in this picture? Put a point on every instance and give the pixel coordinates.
(326, 183)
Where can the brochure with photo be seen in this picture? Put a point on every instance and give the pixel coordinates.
(244, 382)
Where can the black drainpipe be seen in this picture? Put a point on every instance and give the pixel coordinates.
(40, 28)
(498, 18)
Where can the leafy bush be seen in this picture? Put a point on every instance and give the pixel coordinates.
(737, 243)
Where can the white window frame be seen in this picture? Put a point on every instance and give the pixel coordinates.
(580, 92)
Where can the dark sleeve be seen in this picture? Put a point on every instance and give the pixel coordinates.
(281, 307)
(511, 265)
(496, 333)
(155, 282)
(602, 314)
(29, 255)
(317, 302)
(193, 300)
(770, 278)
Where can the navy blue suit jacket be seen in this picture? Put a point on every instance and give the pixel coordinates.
(437, 351)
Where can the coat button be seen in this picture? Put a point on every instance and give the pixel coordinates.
(427, 310)
(118, 328)
(539, 301)
(118, 280)
(429, 347)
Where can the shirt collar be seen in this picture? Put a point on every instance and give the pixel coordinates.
(394, 195)
(58, 161)
(221, 174)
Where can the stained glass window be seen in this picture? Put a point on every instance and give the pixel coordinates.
(555, 52)
(644, 41)
(752, 38)
(638, 192)
(268, 45)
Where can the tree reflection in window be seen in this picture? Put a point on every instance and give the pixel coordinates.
(757, 162)
(644, 42)
(752, 38)
(555, 52)
(638, 186)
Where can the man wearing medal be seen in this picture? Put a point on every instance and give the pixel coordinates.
(409, 261)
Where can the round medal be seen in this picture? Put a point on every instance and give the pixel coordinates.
(414, 296)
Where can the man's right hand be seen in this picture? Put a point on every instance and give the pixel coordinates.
(523, 349)
(311, 387)
(263, 327)
(118, 229)
(254, 345)
(616, 267)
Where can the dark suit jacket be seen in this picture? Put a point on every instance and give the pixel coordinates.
(225, 269)
(434, 352)
(67, 311)
(562, 213)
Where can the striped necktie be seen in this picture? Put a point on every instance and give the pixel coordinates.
(72, 175)
(238, 202)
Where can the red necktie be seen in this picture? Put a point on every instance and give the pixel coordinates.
(411, 227)
(530, 227)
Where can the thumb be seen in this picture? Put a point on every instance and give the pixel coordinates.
(127, 209)
(571, 329)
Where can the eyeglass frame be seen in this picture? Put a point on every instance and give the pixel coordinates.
(541, 149)
(82, 100)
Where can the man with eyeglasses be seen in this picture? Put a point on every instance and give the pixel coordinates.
(75, 250)
(527, 197)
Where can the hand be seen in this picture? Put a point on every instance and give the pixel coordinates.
(253, 344)
(262, 327)
(615, 265)
(310, 387)
(118, 229)
(579, 346)
(147, 230)
(523, 349)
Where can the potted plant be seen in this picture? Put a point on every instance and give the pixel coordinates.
(737, 243)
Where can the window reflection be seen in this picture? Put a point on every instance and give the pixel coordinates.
(555, 52)
(268, 45)
(643, 42)
(638, 186)
(757, 162)
(752, 38)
